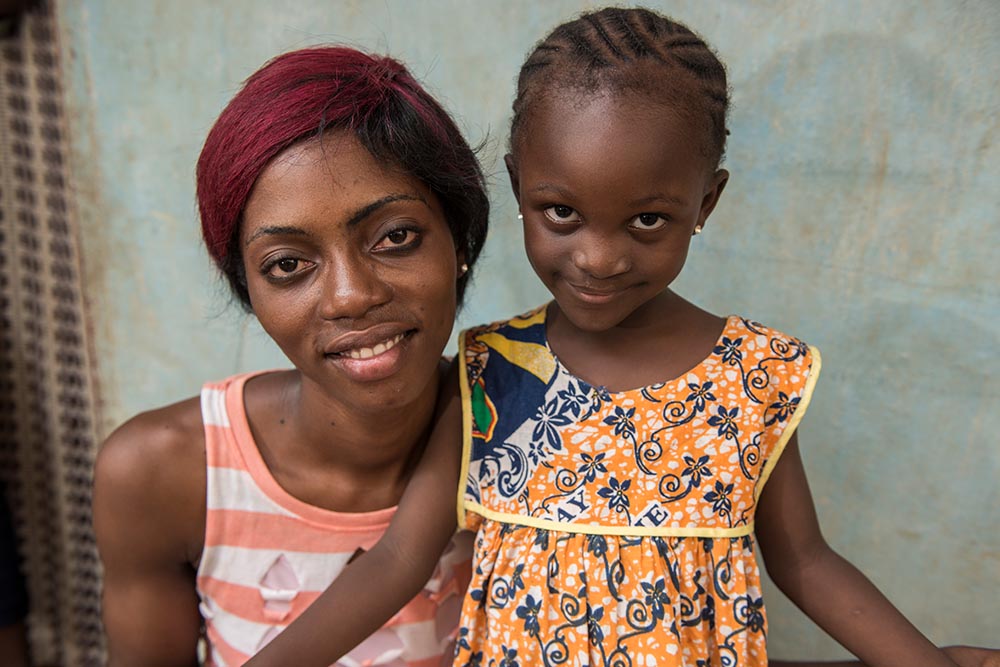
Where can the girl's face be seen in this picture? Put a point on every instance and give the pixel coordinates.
(611, 190)
(351, 269)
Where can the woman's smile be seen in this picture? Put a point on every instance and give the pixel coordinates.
(365, 360)
(363, 352)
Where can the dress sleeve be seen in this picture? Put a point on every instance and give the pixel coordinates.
(787, 404)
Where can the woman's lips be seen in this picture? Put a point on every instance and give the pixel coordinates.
(374, 351)
(373, 359)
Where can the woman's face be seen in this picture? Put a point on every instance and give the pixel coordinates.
(351, 269)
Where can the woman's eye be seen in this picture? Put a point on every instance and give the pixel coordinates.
(561, 214)
(284, 268)
(287, 265)
(648, 222)
(400, 238)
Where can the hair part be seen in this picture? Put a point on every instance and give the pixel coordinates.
(628, 51)
(302, 94)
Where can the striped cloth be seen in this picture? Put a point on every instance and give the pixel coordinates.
(268, 555)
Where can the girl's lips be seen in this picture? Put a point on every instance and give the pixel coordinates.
(595, 296)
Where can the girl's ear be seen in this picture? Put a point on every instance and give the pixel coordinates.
(716, 185)
(515, 184)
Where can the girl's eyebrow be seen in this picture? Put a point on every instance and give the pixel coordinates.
(658, 197)
(551, 187)
(355, 218)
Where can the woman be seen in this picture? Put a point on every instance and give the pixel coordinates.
(346, 211)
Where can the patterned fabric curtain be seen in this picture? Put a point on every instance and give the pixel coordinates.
(47, 441)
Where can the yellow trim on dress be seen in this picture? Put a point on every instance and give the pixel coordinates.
(800, 412)
(601, 529)
(532, 357)
(466, 390)
(529, 320)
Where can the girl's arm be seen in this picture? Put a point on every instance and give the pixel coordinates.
(380, 582)
(831, 591)
(964, 656)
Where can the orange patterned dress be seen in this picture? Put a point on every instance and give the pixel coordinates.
(617, 528)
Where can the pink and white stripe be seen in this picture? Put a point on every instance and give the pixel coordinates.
(268, 555)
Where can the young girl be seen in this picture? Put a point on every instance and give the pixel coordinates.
(622, 449)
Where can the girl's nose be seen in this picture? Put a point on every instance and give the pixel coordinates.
(351, 288)
(600, 257)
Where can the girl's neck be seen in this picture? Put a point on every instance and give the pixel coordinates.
(669, 337)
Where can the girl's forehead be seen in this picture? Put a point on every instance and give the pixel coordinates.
(611, 131)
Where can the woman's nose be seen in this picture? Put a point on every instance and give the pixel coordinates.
(352, 287)
(601, 256)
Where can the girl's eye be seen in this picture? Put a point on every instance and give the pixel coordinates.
(561, 214)
(648, 222)
(398, 239)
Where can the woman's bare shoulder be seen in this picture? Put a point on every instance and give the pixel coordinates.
(154, 465)
(172, 434)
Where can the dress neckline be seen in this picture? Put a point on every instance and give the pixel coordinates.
(731, 321)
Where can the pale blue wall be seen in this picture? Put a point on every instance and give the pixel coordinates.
(863, 215)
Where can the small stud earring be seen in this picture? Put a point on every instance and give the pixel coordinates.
(697, 230)
(520, 217)
(462, 270)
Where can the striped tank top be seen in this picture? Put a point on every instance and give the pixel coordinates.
(268, 555)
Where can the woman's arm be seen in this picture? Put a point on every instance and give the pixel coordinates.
(380, 582)
(831, 591)
(148, 497)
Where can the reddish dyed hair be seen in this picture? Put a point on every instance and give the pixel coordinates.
(301, 94)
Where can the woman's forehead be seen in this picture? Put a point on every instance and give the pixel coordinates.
(329, 178)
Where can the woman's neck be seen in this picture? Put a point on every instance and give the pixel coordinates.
(330, 455)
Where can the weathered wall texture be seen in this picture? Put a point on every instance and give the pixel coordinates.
(863, 215)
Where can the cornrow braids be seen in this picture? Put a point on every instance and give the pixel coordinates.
(620, 50)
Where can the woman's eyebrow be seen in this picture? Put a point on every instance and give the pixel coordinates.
(355, 218)
(368, 209)
(272, 230)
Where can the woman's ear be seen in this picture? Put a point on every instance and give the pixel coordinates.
(515, 184)
(716, 184)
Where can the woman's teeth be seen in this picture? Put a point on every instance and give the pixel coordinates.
(369, 352)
